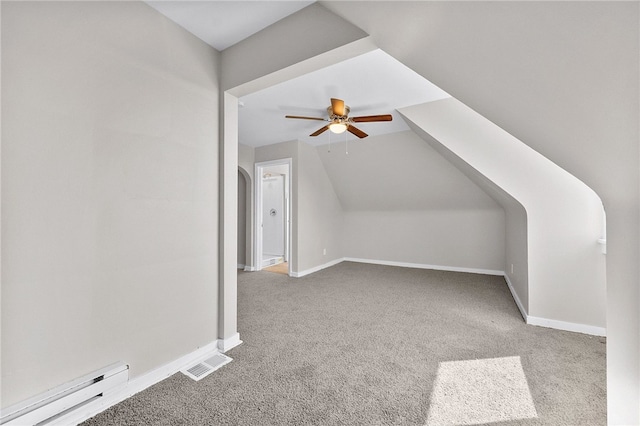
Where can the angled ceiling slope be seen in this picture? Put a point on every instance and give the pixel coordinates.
(372, 83)
(224, 23)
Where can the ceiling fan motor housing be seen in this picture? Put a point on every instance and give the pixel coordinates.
(335, 118)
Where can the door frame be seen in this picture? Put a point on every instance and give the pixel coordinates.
(259, 171)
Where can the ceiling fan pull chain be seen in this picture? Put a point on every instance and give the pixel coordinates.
(346, 144)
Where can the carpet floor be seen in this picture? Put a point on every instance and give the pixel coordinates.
(365, 344)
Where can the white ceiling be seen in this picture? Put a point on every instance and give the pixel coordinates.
(224, 23)
(370, 84)
(373, 83)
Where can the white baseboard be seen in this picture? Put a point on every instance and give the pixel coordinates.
(229, 343)
(241, 266)
(249, 268)
(523, 311)
(400, 264)
(424, 266)
(136, 385)
(549, 323)
(316, 269)
(567, 326)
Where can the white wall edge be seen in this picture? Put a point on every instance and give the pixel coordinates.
(567, 326)
(523, 312)
(229, 343)
(317, 268)
(424, 266)
(135, 385)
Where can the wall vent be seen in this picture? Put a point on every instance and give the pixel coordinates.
(202, 369)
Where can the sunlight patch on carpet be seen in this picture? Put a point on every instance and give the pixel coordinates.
(480, 391)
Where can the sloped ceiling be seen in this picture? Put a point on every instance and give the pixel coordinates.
(398, 171)
(543, 71)
(373, 83)
(224, 23)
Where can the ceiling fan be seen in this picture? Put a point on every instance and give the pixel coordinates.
(339, 120)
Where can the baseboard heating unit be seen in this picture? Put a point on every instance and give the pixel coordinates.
(59, 401)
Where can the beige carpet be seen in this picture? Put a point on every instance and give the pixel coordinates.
(480, 391)
(359, 344)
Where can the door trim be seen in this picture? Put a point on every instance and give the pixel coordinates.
(258, 172)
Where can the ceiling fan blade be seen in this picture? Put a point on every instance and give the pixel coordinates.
(371, 118)
(337, 105)
(359, 133)
(319, 131)
(304, 118)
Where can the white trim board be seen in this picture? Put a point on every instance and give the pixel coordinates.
(555, 324)
(229, 343)
(257, 213)
(316, 268)
(424, 266)
(136, 385)
(399, 264)
(567, 326)
(523, 311)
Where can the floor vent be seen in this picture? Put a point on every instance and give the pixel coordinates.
(206, 367)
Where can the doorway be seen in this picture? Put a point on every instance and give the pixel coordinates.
(273, 215)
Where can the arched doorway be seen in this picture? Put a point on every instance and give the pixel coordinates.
(245, 258)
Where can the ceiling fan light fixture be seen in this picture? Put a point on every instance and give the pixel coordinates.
(339, 120)
(338, 127)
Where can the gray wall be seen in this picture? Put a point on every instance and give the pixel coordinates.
(278, 152)
(563, 78)
(321, 30)
(515, 223)
(449, 239)
(404, 202)
(109, 191)
(319, 212)
(392, 198)
(564, 216)
(316, 211)
(246, 160)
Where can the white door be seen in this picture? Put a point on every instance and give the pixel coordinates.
(273, 216)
